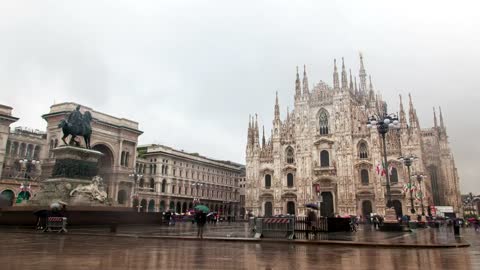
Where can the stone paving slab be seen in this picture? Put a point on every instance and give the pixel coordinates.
(366, 236)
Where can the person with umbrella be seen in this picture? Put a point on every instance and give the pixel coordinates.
(201, 218)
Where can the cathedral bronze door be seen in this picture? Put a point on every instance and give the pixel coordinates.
(291, 208)
(268, 209)
(397, 205)
(326, 209)
(366, 208)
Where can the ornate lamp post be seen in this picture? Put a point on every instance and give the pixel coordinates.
(196, 200)
(135, 176)
(408, 160)
(26, 174)
(419, 178)
(384, 122)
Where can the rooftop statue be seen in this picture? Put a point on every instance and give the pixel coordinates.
(77, 124)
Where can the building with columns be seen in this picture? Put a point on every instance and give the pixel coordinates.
(323, 151)
(170, 179)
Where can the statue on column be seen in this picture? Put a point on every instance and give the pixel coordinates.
(77, 124)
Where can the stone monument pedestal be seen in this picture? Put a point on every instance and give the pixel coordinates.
(390, 222)
(74, 167)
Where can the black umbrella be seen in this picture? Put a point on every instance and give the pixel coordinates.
(312, 205)
(41, 213)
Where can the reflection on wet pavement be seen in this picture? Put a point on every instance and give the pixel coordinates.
(54, 251)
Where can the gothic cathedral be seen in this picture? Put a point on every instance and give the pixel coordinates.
(322, 151)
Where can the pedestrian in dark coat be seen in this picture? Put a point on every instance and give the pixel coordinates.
(200, 219)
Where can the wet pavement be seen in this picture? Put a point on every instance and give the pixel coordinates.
(73, 251)
(365, 233)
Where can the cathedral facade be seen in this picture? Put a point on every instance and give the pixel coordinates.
(322, 152)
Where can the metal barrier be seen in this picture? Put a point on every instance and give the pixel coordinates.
(276, 227)
(58, 224)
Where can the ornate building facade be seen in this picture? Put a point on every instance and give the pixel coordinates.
(323, 151)
(170, 179)
(115, 137)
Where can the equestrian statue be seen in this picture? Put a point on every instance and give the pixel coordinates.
(77, 124)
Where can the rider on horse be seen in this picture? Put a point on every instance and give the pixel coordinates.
(77, 124)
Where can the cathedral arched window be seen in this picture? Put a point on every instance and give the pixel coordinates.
(362, 150)
(289, 155)
(394, 176)
(364, 177)
(323, 121)
(289, 180)
(141, 182)
(268, 181)
(324, 159)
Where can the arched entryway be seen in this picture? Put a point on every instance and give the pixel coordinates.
(162, 206)
(171, 207)
(268, 209)
(326, 208)
(184, 207)
(122, 196)
(135, 203)
(366, 208)
(23, 196)
(144, 206)
(179, 208)
(105, 163)
(151, 206)
(190, 206)
(105, 167)
(291, 208)
(7, 196)
(397, 205)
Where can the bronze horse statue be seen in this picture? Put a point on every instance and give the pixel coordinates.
(81, 127)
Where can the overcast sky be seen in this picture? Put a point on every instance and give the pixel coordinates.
(190, 72)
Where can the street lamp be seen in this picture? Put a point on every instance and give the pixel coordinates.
(408, 160)
(135, 176)
(26, 175)
(419, 178)
(384, 122)
(196, 200)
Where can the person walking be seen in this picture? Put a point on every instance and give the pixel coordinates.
(311, 222)
(200, 219)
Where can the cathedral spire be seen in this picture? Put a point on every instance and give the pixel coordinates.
(363, 75)
(434, 118)
(250, 130)
(351, 81)
(403, 120)
(344, 76)
(298, 90)
(277, 108)
(305, 81)
(336, 84)
(256, 133)
(412, 114)
(442, 125)
(371, 92)
(356, 88)
(263, 136)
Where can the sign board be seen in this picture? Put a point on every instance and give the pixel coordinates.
(441, 210)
